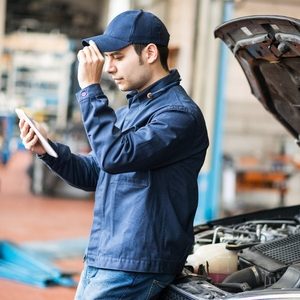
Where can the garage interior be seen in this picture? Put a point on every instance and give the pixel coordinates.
(253, 163)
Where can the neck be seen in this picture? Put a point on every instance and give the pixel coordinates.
(156, 76)
(161, 74)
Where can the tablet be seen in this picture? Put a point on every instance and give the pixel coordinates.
(22, 115)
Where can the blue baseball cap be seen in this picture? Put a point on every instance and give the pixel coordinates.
(131, 27)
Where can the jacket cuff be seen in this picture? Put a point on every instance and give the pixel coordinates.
(93, 90)
(46, 157)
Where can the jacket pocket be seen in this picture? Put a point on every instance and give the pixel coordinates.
(137, 179)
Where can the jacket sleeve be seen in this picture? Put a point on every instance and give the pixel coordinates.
(166, 138)
(80, 171)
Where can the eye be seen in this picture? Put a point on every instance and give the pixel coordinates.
(118, 57)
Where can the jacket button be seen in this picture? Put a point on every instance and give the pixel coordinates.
(84, 93)
(149, 95)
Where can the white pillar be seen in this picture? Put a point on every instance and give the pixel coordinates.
(2, 29)
(205, 73)
(2, 22)
(115, 7)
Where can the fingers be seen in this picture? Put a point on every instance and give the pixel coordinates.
(81, 56)
(29, 138)
(90, 54)
(31, 143)
(86, 56)
(90, 65)
(95, 50)
(24, 128)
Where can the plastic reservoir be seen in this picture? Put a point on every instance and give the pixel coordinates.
(217, 260)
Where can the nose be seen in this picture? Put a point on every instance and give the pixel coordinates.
(109, 66)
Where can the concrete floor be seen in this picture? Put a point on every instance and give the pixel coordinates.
(28, 220)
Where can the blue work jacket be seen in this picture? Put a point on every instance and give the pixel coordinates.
(143, 167)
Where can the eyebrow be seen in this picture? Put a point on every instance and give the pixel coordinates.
(112, 53)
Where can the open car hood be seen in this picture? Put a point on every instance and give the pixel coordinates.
(268, 50)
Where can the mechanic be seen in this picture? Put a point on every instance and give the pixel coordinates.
(144, 162)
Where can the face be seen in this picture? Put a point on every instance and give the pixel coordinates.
(128, 70)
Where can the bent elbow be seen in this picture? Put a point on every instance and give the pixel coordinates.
(110, 168)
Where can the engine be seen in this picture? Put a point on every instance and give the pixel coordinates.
(256, 254)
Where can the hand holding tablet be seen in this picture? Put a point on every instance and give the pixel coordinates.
(22, 115)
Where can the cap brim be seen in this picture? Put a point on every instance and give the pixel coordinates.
(106, 43)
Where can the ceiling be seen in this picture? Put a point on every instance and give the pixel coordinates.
(74, 18)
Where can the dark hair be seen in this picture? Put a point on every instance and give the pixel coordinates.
(162, 50)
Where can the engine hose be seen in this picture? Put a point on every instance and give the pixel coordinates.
(251, 276)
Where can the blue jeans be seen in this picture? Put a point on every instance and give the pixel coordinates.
(101, 284)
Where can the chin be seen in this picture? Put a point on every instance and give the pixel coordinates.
(123, 88)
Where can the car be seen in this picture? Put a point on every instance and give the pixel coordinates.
(255, 255)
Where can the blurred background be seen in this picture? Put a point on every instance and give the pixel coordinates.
(39, 40)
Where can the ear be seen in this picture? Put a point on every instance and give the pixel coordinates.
(151, 53)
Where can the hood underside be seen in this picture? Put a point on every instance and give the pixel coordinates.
(268, 50)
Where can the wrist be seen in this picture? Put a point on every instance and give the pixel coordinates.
(84, 85)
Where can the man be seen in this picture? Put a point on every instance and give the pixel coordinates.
(144, 162)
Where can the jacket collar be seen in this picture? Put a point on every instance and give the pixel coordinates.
(155, 89)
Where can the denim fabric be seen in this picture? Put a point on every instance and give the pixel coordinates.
(104, 284)
(143, 167)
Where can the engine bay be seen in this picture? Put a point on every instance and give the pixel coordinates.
(247, 253)
(250, 255)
